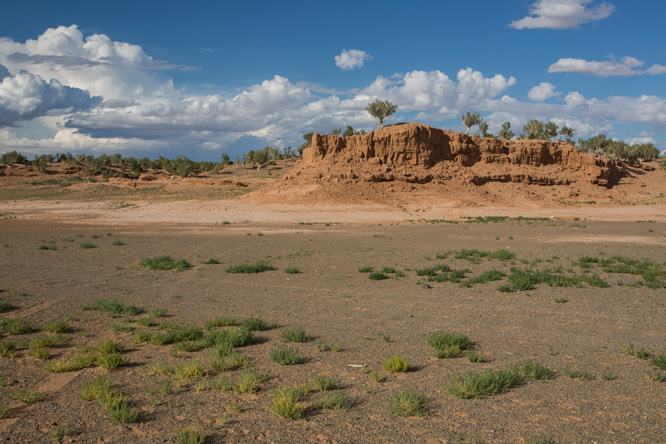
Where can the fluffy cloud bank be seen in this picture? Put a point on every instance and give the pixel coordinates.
(350, 59)
(626, 67)
(562, 14)
(26, 96)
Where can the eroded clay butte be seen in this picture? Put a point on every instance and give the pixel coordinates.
(418, 153)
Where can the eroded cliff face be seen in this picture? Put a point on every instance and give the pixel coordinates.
(418, 153)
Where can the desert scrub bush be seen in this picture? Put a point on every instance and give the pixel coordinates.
(395, 363)
(522, 280)
(448, 344)
(157, 313)
(16, 326)
(57, 326)
(7, 349)
(109, 347)
(220, 322)
(36, 350)
(377, 276)
(222, 359)
(291, 270)
(5, 305)
(98, 388)
(28, 396)
(659, 360)
(474, 256)
(486, 276)
(118, 243)
(336, 400)
(211, 261)
(407, 402)
(285, 402)
(481, 385)
(122, 412)
(389, 270)
(87, 245)
(190, 435)
(246, 382)
(325, 383)
(112, 307)
(109, 361)
(78, 361)
(325, 346)
(534, 370)
(366, 269)
(188, 370)
(47, 247)
(258, 267)
(475, 357)
(286, 356)
(230, 337)
(5, 411)
(294, 334)
(573, 373)
(608, 375)
(164, 263)
(640, 353)
(254, 324)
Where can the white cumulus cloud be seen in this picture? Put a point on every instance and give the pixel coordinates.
(562, 14)
(626, 67)
(542, 91)
(350, 59)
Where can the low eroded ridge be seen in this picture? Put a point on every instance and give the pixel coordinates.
(418, 153)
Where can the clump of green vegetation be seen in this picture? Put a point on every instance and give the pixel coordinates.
(534, 370)
(247, 382)
(5, 305)
(486, 276)
(377, 276)
(190, 435)
(87, 245)
(573, 373)
(325, 346)
(157, 313)
(325, 383)
(7, 349)
(336, 400)
(16, 326)
(258, 267)
(291, 270)
(112, 307)
(164, 263)
(475, 256)
(366, 269)
(255, 324)
(640, 353)
(295, 334)
(29, 396)
(285, 402)
(407, 402)
(474, 356)
(211, 261)
(220, 322)
(395, 363)
(449, 344)
(659, 360)
(286, 356)
(189, 370)
(481, 385)
(57, 326)
(539, 439)
(50, 247)
(77, 362)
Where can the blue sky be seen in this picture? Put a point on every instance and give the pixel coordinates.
(200, 78)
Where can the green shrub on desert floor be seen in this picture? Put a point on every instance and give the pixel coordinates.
(336, 400)
(325, 383)
(190, 435)
(407, 402)
(57, 326)
(449, 344)
(640, 353)
(287, 356)
(16, 326)
(395, 363)
(285, 402)
(7, 349)
(246, 382)
(118, 408)
(5, 305)
(164, 263)
(534, 370)
(112, 307)
(28, 396)
(294, 334)
(258, 267)
(254, 324)
(481, 385)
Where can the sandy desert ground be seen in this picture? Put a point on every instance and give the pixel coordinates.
(46, 275)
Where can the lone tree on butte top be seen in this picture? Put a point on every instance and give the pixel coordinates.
(380, 110)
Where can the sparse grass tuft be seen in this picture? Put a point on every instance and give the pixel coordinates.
(5, 305)
(539, 439)
(640, 353)
(295, 334)
(99, 388)
(365, 269)
(28, 396)
(377, 276)
(16, 326)
(7, 349)
(286, 356)
(285, 402)
(57, 327)
(254, 324)
(112, 307)
(5, 411)
(659, 360)
(87, 245)
(211, 261)
(534, 370)
(190, 435)
(482, 385)
(164, 263)
(336, 400)
(259, 267)
(573, 373)
(395, 363)
(220, 322)
(325, 383)
(407, 402)
(448, 344)
(474, 356)
(291, 270)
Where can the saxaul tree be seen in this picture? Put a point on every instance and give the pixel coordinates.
(380, 110)
(565, 132)
(471, 119)
(506, 133)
